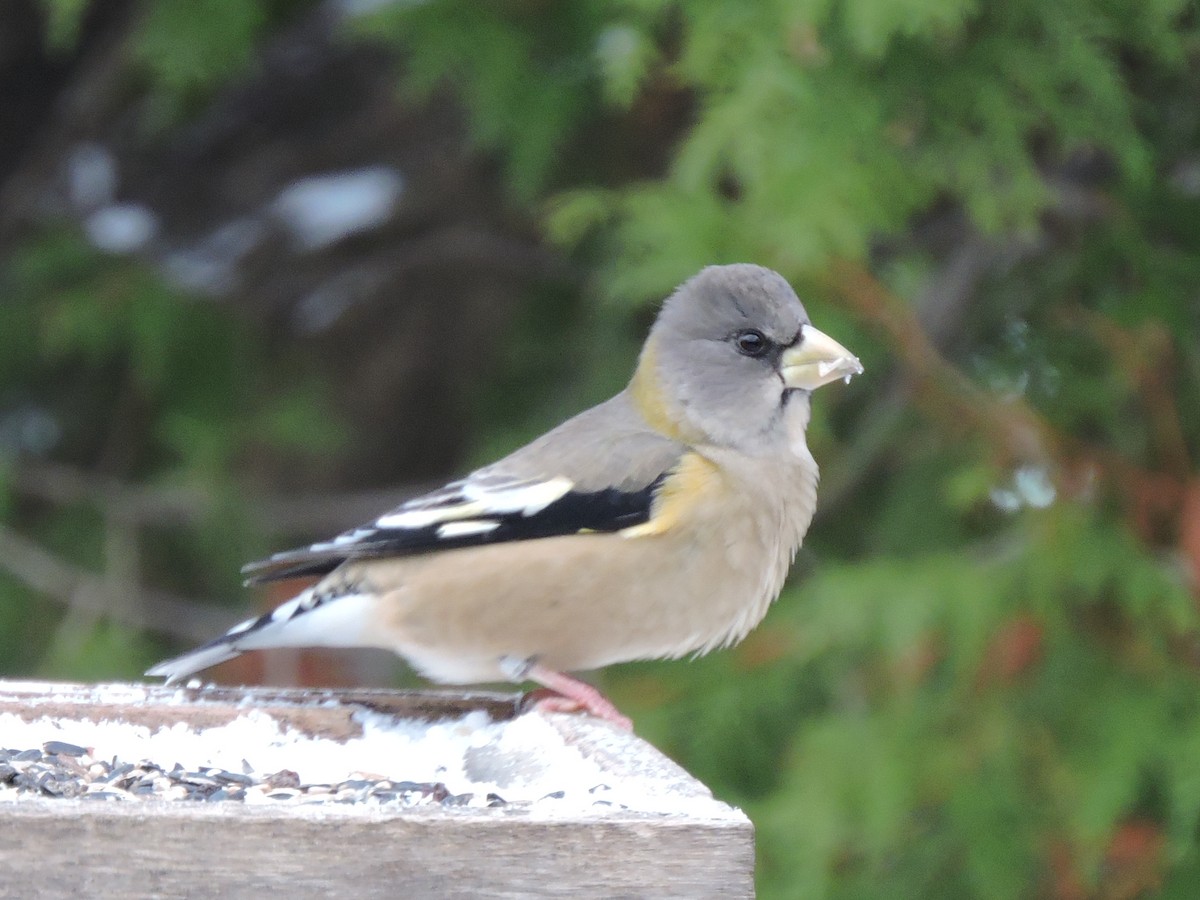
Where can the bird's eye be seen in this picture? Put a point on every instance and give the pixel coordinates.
(751, 342)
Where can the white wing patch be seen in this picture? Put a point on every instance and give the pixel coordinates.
(466, 529)
(473, 498)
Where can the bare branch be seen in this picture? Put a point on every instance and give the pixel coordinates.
(44, 572)
(173, 506)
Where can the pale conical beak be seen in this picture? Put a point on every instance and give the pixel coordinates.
(816, 360)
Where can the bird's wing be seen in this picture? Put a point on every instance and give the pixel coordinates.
(480, 509)
(595, 473)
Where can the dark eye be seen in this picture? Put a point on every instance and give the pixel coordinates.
(751, 342)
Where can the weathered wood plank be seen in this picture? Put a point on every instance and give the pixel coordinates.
(694, 847)
(75, 849)
(315, 711)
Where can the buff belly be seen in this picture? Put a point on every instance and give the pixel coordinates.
(457, 614)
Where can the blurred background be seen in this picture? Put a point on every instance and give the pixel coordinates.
(269, 266)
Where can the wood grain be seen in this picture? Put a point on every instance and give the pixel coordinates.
(77, 849)
(161, 849)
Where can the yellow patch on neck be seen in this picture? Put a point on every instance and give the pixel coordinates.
(649, 398)
(692, 481)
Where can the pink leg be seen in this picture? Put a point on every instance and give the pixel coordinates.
(571, 695)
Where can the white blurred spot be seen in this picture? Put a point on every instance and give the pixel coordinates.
(325, 304)
(1017, 335)
(353, 8)
(28, 429)
(209, 266)
(121, 227)
(1035, 487)
(323, 209)
(1005, 500)
(617, 44)
(91, 176)
(1030, 486)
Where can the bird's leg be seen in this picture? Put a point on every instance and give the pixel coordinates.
(563, 693)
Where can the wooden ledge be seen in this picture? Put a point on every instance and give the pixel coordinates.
(318, 712)
(645, 828)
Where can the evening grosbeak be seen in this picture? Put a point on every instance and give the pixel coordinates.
(659, 523)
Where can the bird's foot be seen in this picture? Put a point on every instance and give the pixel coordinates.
(546, 700)
(562, 693)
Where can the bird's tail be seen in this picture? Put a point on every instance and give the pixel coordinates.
(307, 620)
(210, 654)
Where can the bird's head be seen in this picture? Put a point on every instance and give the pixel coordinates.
(732, 359)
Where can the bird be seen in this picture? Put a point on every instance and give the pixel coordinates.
(660, 523)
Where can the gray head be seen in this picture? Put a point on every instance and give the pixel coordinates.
(732, 360)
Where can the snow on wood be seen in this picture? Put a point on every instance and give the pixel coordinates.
(426, 793)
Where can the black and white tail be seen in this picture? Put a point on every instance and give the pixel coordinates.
(307, 620)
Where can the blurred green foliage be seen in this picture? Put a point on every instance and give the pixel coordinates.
(984, 680)
(144, 383)
(819, 126)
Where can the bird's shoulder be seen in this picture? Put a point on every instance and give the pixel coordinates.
(598, 472)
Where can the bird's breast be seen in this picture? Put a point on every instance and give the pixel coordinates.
(733, 525)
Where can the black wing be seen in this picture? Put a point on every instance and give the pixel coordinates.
(481, 509)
